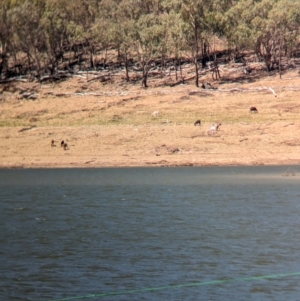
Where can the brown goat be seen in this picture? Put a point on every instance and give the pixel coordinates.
(253, 110)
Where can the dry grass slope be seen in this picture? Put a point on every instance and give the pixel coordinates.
(111, 124)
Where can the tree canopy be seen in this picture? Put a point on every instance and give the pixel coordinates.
(36, 35)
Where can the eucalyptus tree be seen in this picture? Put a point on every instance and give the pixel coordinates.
(105, 26)
(284, 28)
(215, 25)
(175, 39)
(236, 27)
(5, 35)
(80, 16)
(127, 17)
(259, 25)
(148, 39)
(171, 5)
(28, 32)
(148, 6)
(194, 14)
(140, 33)
(264, 43)
(163, 48)
(55, 27)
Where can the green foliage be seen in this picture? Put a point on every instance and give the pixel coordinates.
(145, 30)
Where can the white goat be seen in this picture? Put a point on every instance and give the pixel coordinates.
(155, 114)
(213, 129)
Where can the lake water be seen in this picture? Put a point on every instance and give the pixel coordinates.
(218, 233)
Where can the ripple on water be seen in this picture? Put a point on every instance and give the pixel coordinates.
(78, 232)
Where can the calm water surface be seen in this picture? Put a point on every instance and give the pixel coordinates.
(150, 234)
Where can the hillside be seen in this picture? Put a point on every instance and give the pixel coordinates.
(111, 123)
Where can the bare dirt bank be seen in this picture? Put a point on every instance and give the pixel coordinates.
(113, 125)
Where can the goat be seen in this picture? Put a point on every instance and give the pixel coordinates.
(62, 143)
(52, 143)
(214, 129)
(155, 114)
(253, 110)
(207, 86)
(197, 122)
(247, 70)
(66, 146)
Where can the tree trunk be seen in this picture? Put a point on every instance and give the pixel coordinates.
(4, 63)
(161, 66)
(105, 56)
(196, 51)
(38, 64)
(205, 55)
(92, 65)
(126, 68)
(215, 71)
(196, 72)
(279, 63)
(3, 66)
(180, 68)
(145, 75)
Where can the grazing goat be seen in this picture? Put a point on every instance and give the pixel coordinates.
(197, 122)
(214, 129)
(155, 114)
(52, 143)
(247, 70)
(66, 146)
(253, 110)
(207, 86)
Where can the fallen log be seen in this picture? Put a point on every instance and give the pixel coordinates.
(55, 77)
(13, 79)
(177, 83)
(27, 129)
(29, 95)
(182, 81)
(102, 78)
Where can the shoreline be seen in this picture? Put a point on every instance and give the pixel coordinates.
(149, 164)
